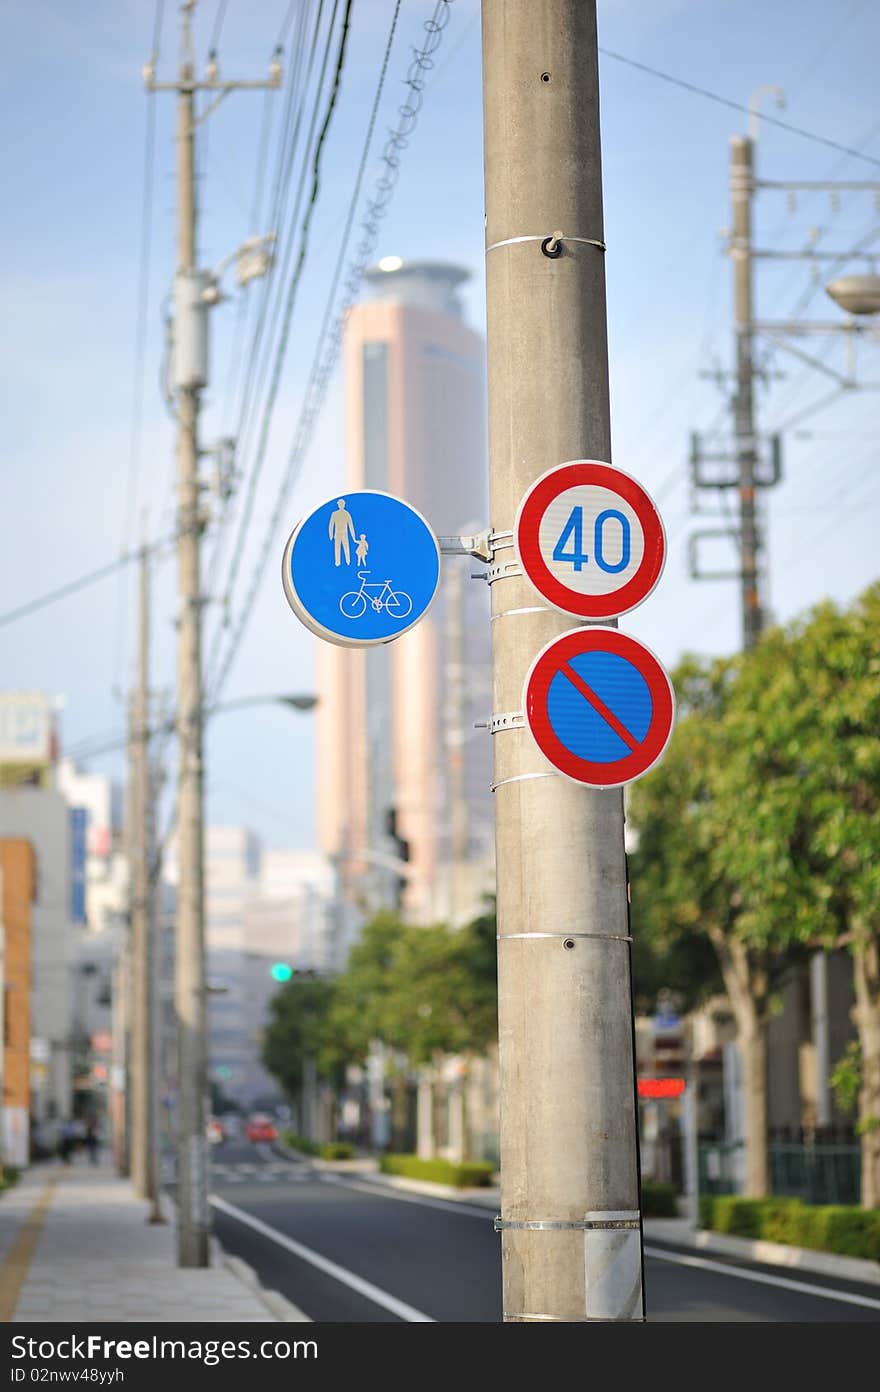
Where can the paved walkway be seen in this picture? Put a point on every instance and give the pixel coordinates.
(75, 1246)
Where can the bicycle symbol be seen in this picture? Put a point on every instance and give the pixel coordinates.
(395, 602)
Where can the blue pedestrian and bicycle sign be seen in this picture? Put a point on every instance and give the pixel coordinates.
(599, 706)
(361, 569)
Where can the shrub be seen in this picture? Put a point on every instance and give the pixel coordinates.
(469, 1173)
(299, 1143)
(658, 1200)
(848, 1231)
(736, 1216)
(8, 1176)
(337, 1150)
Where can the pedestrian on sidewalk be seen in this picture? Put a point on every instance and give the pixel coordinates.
(66, 1141)
(92, 1141)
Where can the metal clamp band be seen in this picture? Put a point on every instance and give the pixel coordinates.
(503, 571)
(609, 1220)
(510, 720)
(531, 609)
(556, 1319)
(551, 239)
(522, 778)
(612, 937)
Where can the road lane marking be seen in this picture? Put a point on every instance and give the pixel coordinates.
(17, 1262)
(824, 1292)
(446, 1205)
(339, 1273)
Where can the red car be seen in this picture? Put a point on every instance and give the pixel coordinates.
(260, 1128)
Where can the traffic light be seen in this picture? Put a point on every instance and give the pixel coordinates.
(401, 850)
(284, 972)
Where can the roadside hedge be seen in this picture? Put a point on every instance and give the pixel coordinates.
(329, 1150)
(299, 1143)
(337, 1150)
(8, 1176)
(659, 1200)
(470, 1173)
(846, 1230)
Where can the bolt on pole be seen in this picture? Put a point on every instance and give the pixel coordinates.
(570, 1215)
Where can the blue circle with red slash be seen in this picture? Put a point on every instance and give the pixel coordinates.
(600, 706)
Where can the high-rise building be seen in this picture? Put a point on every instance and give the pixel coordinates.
(401, 772)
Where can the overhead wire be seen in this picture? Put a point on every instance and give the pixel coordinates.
(329, 341)
(263, 334)
(90, 577)
(289, 303)
(132, 482)
(738, 106)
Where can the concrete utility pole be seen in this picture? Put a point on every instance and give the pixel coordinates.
(142, 1065)
(455, 736)
(741, 175)
(570, 1219)
(194, 292)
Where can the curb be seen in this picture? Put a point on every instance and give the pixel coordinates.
(480, 1198)
(281, 1309)
(858, 1269)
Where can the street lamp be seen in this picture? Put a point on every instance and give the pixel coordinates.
(856, 294)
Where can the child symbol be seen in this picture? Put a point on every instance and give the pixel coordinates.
(362, 548)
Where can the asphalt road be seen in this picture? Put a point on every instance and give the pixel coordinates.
(345, 1249)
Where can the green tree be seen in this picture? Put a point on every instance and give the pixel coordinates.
(806, 717)
(761, 828)
(683, 891)
(299, 1028)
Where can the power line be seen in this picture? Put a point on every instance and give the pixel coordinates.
(287, 149)
(329, 341)
(89, 578)
(293, 286)
(140, 345)
(738, 106)
(218, 24)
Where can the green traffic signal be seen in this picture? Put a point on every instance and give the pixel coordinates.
(281, 971)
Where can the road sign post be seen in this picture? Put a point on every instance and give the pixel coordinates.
(361, 569)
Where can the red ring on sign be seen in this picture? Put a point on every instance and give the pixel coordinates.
(551, 659)
(528, 527)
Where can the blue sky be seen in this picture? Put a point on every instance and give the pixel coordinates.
(72, 179)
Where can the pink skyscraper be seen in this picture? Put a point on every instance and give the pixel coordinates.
(397, 753)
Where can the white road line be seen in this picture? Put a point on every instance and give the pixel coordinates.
(824, 1292)
(339, 1273)
(445, 1205)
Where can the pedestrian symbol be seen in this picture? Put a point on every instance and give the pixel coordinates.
(361, 569)
(341, 526)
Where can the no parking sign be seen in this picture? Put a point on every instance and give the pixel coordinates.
(600, 706)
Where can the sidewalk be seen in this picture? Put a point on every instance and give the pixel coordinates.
(75, 1246)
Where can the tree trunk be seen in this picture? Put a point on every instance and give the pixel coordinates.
(747, 983)
(866, 975)
(425, 1122)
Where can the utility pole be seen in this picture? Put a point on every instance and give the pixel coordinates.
(143, 1172)
(455, 717)
(194, 292)
(741, 176)
(143, 1073)
(570, 1219)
